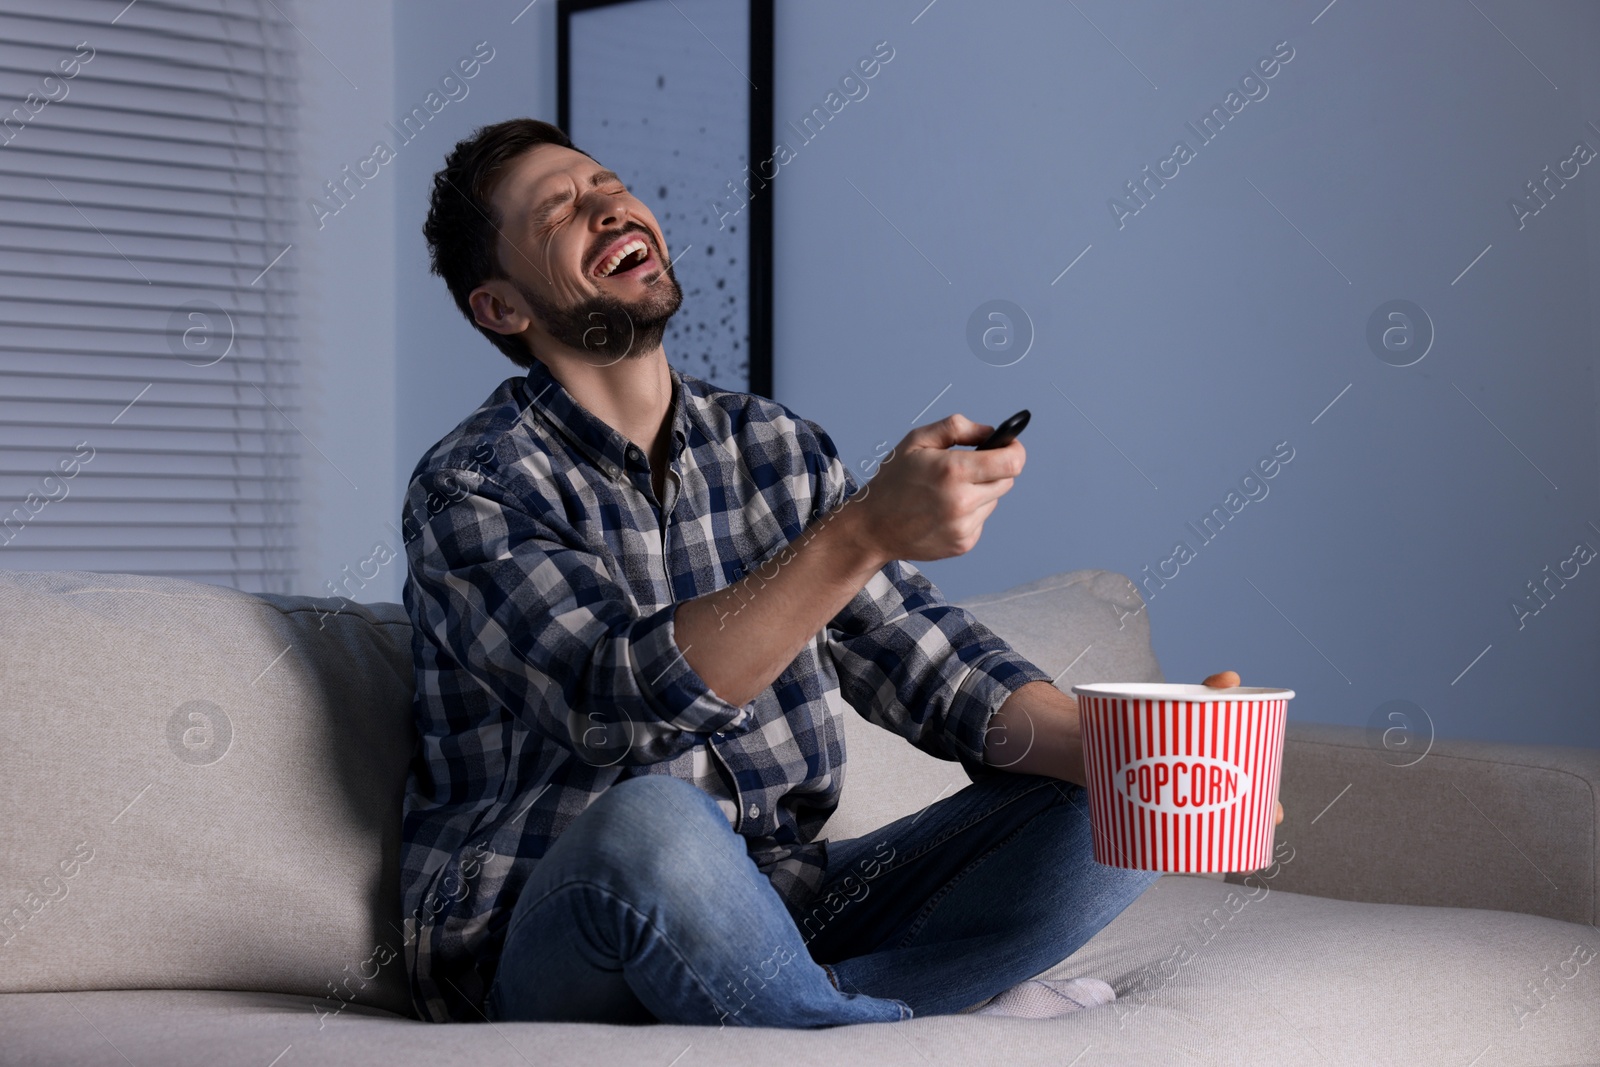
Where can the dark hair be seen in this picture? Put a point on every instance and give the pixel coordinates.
(462, 225)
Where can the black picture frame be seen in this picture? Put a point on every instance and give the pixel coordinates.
(758, 214)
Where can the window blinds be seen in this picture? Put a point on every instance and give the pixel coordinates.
(148, 363)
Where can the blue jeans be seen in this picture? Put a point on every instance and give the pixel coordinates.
(648, 908)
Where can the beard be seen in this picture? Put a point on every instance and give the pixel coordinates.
(607, 328)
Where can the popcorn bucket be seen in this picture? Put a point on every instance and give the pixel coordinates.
(1182, 778)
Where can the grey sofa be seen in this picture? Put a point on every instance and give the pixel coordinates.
(201, 798)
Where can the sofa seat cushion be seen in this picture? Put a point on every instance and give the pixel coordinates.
(1202, 965)
(1280, 978)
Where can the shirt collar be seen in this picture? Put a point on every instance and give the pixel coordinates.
(596, 440)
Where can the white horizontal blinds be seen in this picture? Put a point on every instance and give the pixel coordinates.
(148, 365)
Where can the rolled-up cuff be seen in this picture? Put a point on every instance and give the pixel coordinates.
(676, 693)
(990, 681)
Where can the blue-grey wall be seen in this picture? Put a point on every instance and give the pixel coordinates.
(345, 263)
(446, 368)
(1190, 339)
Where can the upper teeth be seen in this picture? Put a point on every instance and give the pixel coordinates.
(627, 249)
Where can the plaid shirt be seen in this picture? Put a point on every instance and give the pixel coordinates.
(543, 579)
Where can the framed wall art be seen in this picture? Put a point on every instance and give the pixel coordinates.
(676, 96)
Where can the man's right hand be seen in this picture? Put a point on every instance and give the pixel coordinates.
(929, 501)
(926, 502)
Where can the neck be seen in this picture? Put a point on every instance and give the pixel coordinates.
(633, 396)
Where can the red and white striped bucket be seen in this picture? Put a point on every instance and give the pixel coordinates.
(1182, 778)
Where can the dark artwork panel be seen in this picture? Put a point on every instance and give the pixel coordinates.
(660, 91)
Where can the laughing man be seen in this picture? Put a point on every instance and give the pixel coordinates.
(641, 607)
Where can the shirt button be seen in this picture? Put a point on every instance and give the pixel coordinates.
(633, 453)
(755, 811)
(611, 471)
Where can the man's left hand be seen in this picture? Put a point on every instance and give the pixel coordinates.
(1227, 680)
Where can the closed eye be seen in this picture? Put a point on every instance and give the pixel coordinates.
(543, 217)
(552, 221)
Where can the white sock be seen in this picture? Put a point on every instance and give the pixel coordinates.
(1047, 998)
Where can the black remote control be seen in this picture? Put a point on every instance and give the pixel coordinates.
(1006, 432)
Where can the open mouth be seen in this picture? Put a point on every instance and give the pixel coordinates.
(628, 257)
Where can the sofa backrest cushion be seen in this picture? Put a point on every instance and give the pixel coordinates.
(202, 788)
(1079, 626)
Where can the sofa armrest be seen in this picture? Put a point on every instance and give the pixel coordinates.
(1470, 824)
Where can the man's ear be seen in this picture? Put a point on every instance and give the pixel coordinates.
(497, 306)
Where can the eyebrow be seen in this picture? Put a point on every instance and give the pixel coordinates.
(543, 209)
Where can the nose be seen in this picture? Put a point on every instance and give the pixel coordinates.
(610, 213)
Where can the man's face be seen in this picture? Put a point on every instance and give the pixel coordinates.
(564, 219)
